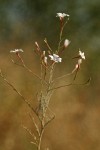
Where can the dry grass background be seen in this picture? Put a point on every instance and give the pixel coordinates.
(77, 109)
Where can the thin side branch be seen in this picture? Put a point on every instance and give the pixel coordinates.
(85, 83)
(37, 128)
(29, 131)
(49, 121)
(46, 42)
(24, 66)
(25, 100)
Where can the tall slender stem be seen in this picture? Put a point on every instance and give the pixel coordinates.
(40, 139)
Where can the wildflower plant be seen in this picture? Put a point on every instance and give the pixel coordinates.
(49, 60)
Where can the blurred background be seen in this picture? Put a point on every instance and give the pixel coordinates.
(77, 108)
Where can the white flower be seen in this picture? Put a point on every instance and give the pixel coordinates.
(16, 51)
(62, 15)
(81, 54)
(66, 43)
(55, 58)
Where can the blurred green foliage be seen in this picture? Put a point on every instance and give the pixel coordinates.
(27, 16)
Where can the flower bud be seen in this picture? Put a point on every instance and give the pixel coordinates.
(45, 60)
(66, 43)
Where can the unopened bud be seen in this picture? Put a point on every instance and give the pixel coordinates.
(45, 60)
(66, 43)
(37, 44)
(79, 61)
(43, 53)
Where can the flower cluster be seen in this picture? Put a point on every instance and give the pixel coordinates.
(55, 58)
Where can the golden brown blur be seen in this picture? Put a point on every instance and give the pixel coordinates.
(77, 108)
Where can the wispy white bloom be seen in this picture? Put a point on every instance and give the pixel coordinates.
(16, 51)
(66, 43)
(55, 58)
(62, 15)
(81, 54)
